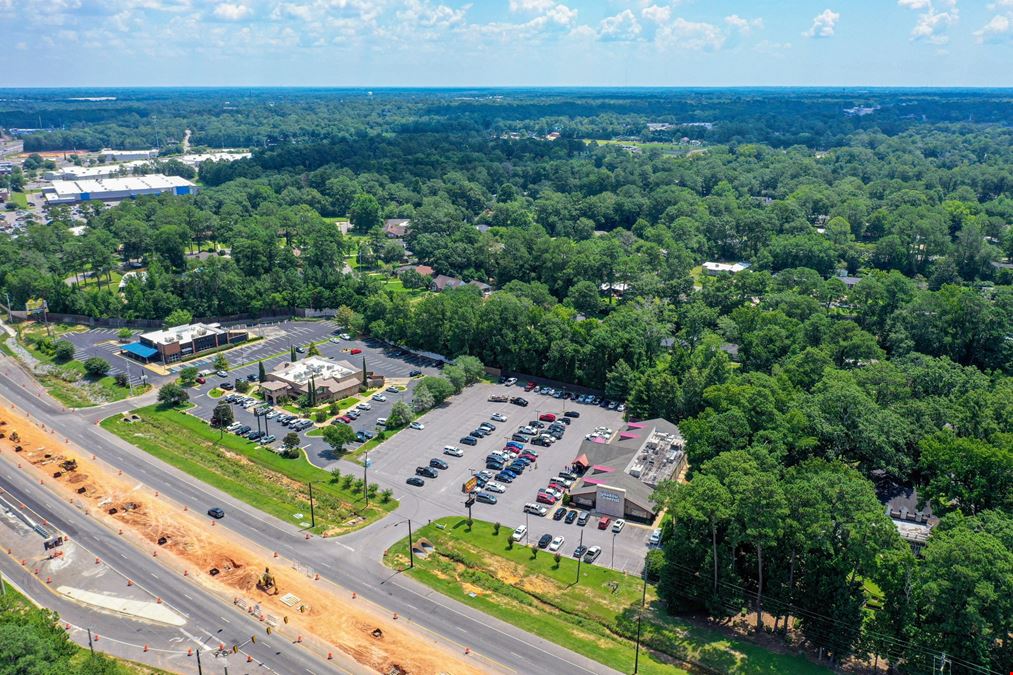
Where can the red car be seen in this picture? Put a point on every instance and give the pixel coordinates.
(546, 498)
(346, 419)
(355, 351)
(603, 523)
(529, 386)
(547, 417)
(201, 380)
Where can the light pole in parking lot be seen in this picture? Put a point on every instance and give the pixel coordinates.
(365, 480)
(614, 533)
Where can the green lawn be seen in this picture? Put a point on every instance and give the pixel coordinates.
(20, 199)
(247, 471)
(595, 617)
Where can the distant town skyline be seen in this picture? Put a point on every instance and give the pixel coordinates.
(433, 43)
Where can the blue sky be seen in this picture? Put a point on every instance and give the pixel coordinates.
(506, 42)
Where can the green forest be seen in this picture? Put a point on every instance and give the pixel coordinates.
(869, 344)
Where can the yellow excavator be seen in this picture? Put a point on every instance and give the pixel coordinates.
(266, 582)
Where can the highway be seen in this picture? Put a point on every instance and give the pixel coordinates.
(352, 562)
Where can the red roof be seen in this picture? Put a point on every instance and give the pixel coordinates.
(626, 435)
(582, 460)
(635, 425)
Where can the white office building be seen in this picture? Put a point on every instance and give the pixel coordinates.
(116, 189)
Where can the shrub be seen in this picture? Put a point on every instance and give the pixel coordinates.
(320, 416)
(386, 495)
(63, 351)
(290, 453)
(122, 380)
(495, 529)
(335, 475)
(96, 367)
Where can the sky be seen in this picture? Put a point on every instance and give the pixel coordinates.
(449, 43)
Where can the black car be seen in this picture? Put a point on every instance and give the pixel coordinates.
(579, 551)
(252, 377)
(416, 481)
(571, 516)
(544, 541)
(537, 424)
(427, 471)
(520, 438)
(517, 400)
(438, 463)
(479, 433)
(558, 515)
(469, 440)
(564, 421)
(540, 441)
(414, 373)
(360, 437)
(571, 413)
(216, 512)
(488, 426)
(227, 386)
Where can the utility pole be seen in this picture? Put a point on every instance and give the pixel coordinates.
(640, 616)
(580, 557)
(365, 481)
(200, 671)
(91, 646)
(613, 551)
(3, 586)
(313, 517)
(411, 553)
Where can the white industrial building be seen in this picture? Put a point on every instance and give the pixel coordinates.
(89, 172)
(126, 155)
(719, 268)
(116, 189)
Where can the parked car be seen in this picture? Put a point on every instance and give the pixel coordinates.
(618, 526)
(381, 421)
(544, 540)
(379, 397)
(545, 498)
(453, 451)
(592, 554)
(603, 523)
(485, 498)
(414, 373)
(504, 477)
(227, 386)
(201, 380)
(417, 426)
(519, 532)
(547, 417)
(438, 463)
(579, 551)
(517, 400)
(427, 471)
(583, 518)
(511, 381)
(559, 513)
(300, 349)
(515, 444)
(469, 440)
(416, 481)
(571, 516)
(487, 425)
(497, 398)
(557, 543)
(655, 539)
(221, 373)
(355, 351)
(499, 417)
(535, 509)
(493, 486)
(479, 433)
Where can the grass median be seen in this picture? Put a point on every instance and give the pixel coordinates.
(596, 617)
(250, 472)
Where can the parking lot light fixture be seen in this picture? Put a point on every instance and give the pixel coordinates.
(580, 557)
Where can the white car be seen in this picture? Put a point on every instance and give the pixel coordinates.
(527, 431)
(417, 426)
(511, 381)
(556, 543)
(554, 492)
(493, 486)
(364, 406)
(618, 526)
(536, 509)
(335, 340)
(519, 533)
(498, 417)
(379, 397)
(655, 539)
(381, 422)
(345, 336)
(453, 451)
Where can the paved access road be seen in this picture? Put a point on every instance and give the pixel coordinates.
(352, 562)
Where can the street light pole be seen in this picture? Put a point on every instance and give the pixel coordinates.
(365, 478)
(613, 550)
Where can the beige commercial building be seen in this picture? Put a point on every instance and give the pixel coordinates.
(333, 380)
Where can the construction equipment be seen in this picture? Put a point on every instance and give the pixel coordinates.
(69, 465)
(266, 582)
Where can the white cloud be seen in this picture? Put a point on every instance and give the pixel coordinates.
(232, 11)
(622, 26)
(915, 4)
(931, 25)
(657, 13)
(744, 26)
(422, 13)
(824, 24)
(998, 28)
(531, 5)
(692, 35)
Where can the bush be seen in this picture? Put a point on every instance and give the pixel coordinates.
(124, 333)
(653, 564)
(290, 453)
(319, 416)
(122, 380)
(96, 367)
(386, 495)
(335, 475)
(495, 529)
(556, 556)
(63, 351)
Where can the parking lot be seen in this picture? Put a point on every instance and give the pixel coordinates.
(395, 461)
(378, 360)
